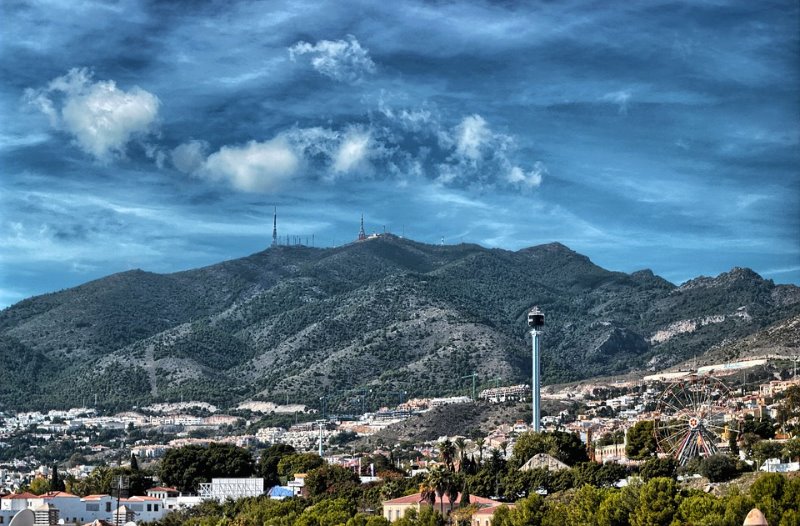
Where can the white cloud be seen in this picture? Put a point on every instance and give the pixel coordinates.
(471, 135)
(530, 179)
(352, 153)
(254, 167)
(189, 156)
(101, 117)
(342, 60)
(620, 98)
(314, 142)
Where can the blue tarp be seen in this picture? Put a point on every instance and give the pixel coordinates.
(280, 492)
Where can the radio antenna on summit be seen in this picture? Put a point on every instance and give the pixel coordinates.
(362, 235)
(275, 227)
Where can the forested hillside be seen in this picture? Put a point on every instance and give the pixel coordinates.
(412, 319)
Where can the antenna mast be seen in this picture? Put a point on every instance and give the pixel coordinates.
(275, 227)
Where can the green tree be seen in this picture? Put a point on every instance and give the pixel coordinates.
(56, 484)
(598, 475)
(767, 449)
(438, 479)
(452, 488)
(39, 485)
(331, 512)
(701, 509)
(566, 447)
(295, 463)
(617, 506)
(525, 512)
(584, 505)
(767, 492)
(656, 506)
(737, 506)
(186, 467)
(718, 468)
(641, 441)
(331, 480)
(447, 453)
(658, 467)
(362, 519)
(480, 442)
(461, 445)
(791, 449)
(427, 516)
(763, 427)
(268, 463)
(134, 463)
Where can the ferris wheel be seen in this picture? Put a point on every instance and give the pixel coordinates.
(690, 418)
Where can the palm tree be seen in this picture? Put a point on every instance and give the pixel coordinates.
(496, 461)
(448, 453)
(461, 444)
(427, 493)
(480, 442)
(437, 480)
(452, 486)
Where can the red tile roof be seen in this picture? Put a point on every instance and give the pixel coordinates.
(489, 510)
(23, 495)
(417, 498)
(162, 488)
(58, 494)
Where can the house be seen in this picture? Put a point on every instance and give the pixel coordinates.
(66, 504)
(16, 502)
(146, 509)
(396, 508)
(485, 516)
(543, 461)
(774, 465)
(45, 515)
(161, 492)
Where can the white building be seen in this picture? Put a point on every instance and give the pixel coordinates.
(72, 509)
(234, 488)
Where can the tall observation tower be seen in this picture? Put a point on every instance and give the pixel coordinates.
(536, 323)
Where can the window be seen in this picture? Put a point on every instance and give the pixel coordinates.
(93, 506)
(155, 507)
(149, 507)
(108, 507)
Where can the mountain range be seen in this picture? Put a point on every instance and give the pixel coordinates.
(380, 319)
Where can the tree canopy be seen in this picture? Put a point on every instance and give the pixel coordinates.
(186, 467)
(566, 447)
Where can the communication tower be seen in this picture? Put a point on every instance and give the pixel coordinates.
(536, 323)
(275, 228)
(362, 235)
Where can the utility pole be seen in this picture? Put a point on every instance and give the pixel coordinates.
(321, 427)
(473, 376)
(122, 482)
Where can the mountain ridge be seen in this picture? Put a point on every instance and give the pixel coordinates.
(303, 322)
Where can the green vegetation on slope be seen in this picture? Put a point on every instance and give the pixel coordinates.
(398, 317)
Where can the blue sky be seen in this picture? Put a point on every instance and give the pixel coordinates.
(159, 135)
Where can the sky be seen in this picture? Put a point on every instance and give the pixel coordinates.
(160, 135)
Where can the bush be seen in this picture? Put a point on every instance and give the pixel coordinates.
(718, 468)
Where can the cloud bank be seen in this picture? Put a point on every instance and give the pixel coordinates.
(392, 145)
